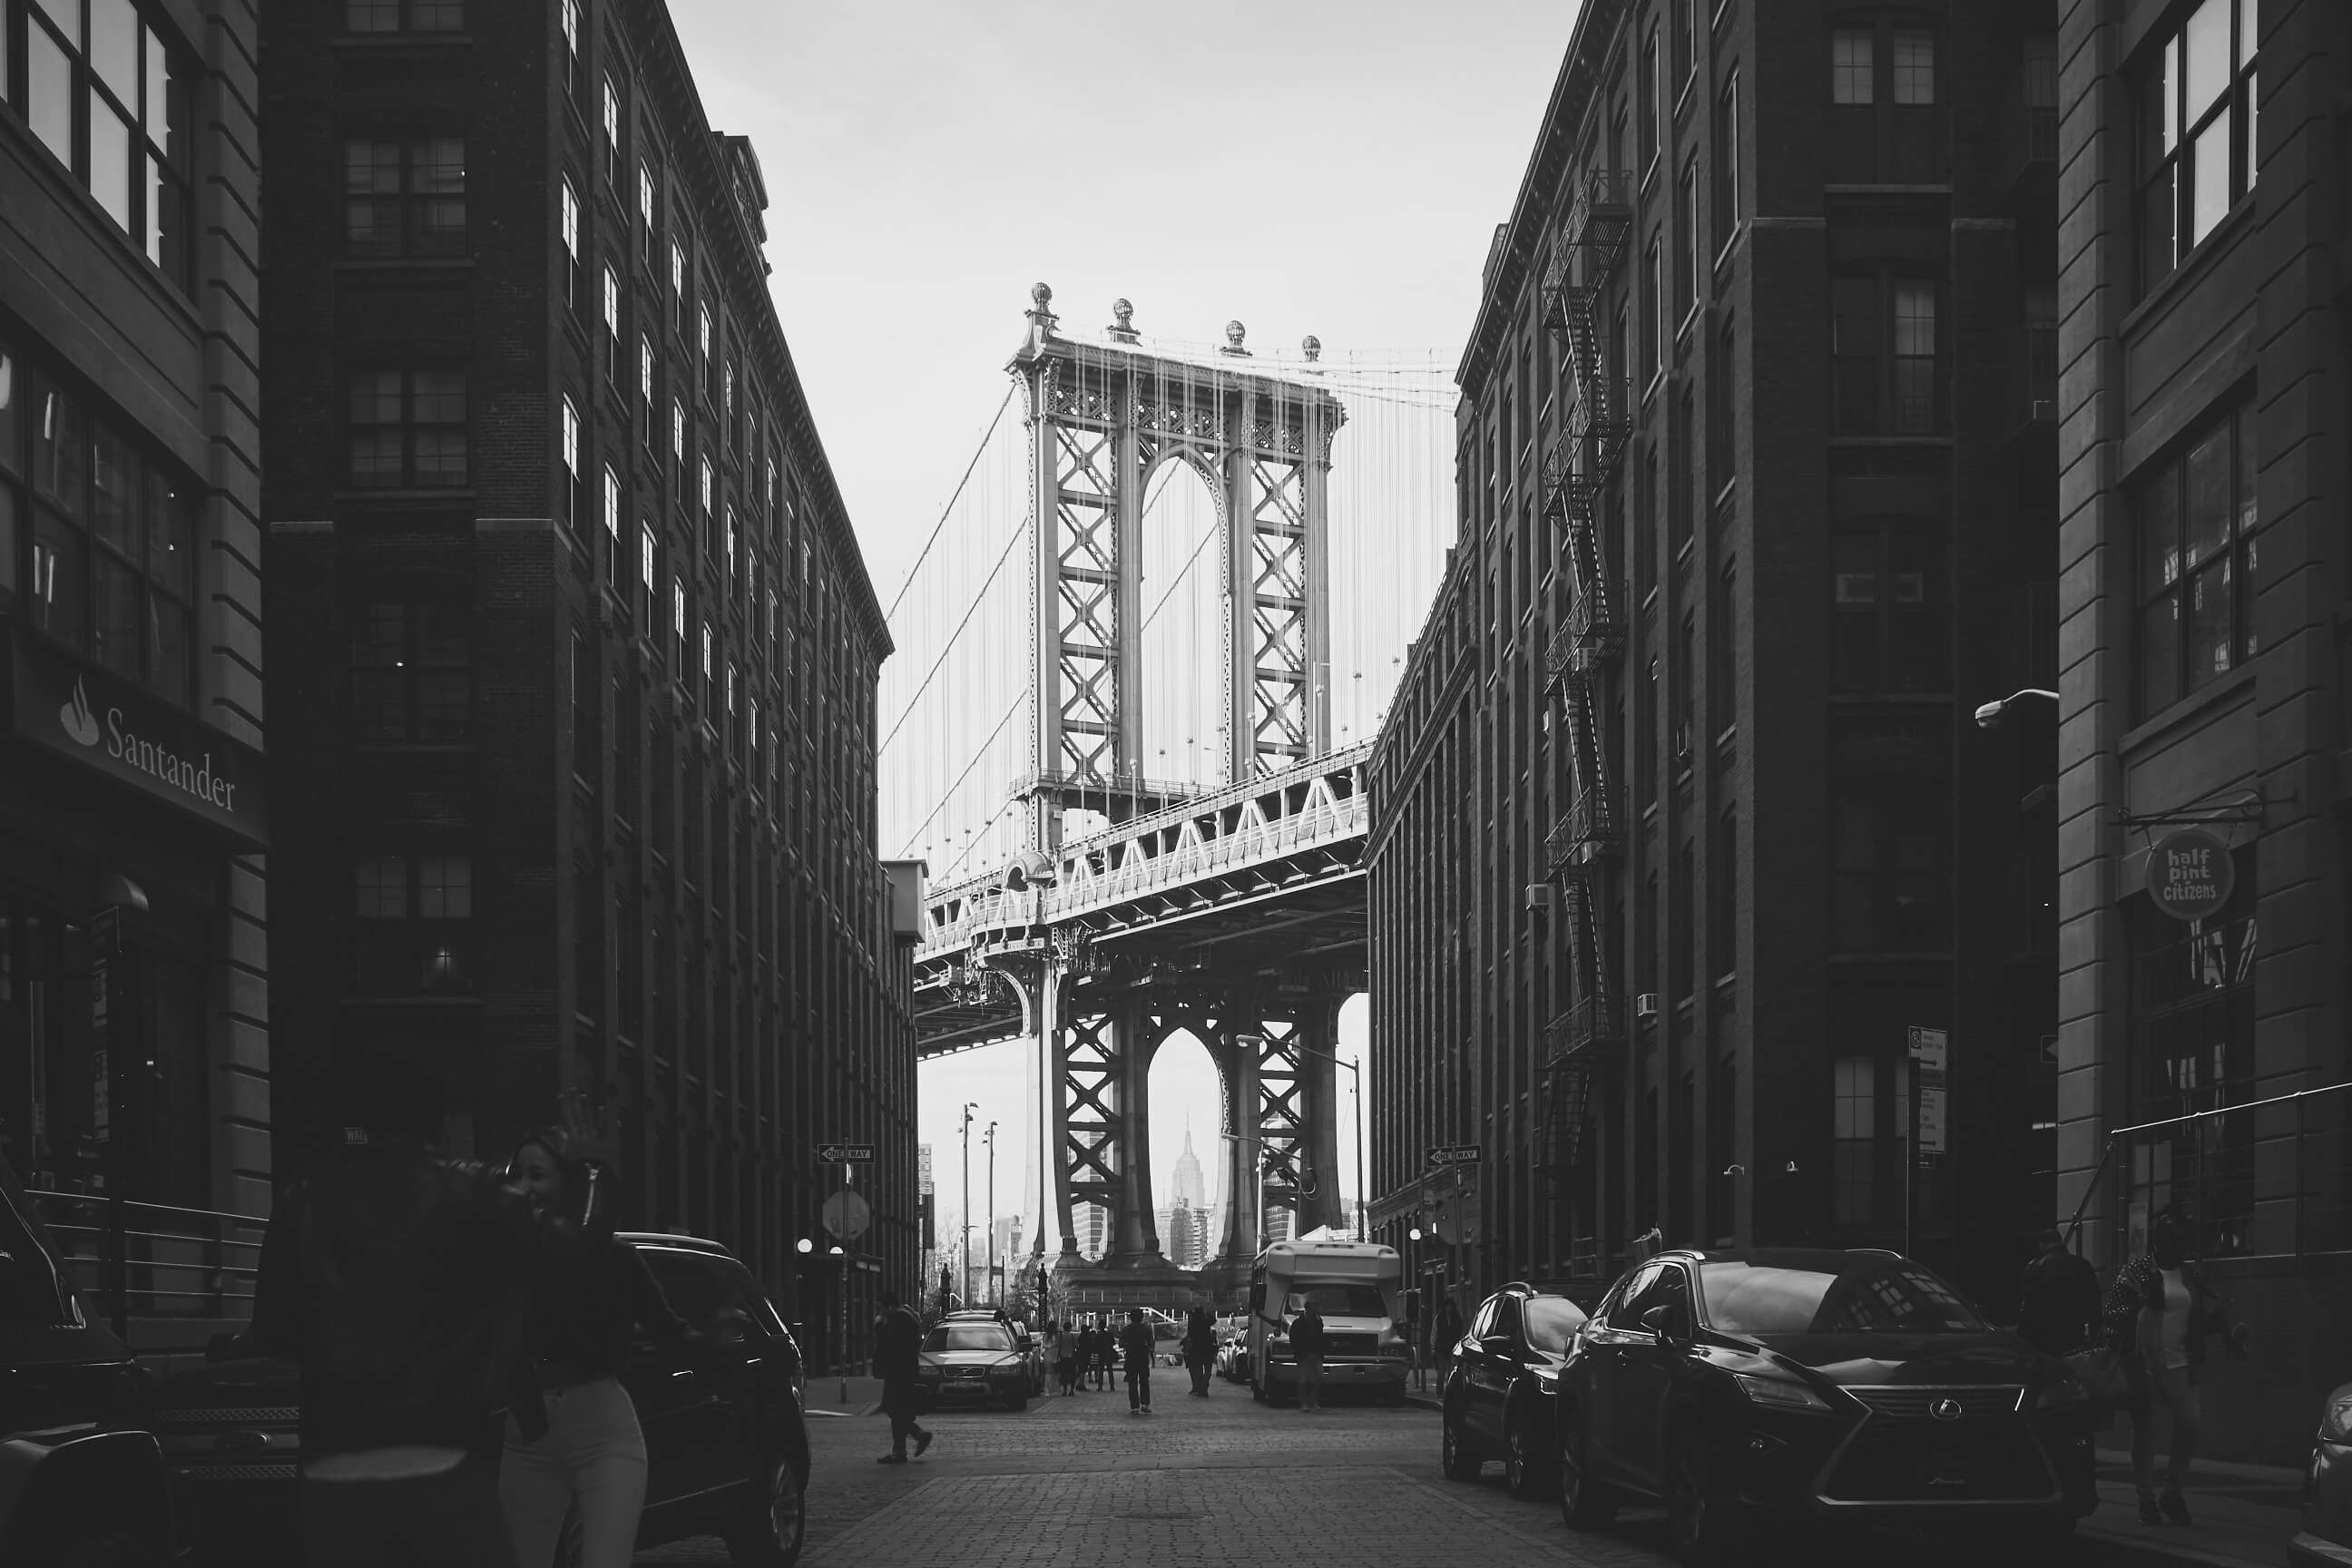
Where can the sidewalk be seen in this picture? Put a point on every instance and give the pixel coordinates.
(2244, 1513)
(822, 1395)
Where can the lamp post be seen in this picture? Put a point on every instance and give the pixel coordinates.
(963, 1260)
(989, 1138)
(1990, 715)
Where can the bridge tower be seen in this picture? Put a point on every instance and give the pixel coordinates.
(1101, 418)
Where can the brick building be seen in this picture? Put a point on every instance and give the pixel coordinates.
(1681, 825)
(134, 998)
(2204, 693)
(577, 651)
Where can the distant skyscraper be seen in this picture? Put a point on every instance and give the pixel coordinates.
(1094, 1230)
(1192, 1190)
(1185, 1238)
(1280, 1222)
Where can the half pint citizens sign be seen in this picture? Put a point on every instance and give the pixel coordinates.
(100, 722)
(2190, 875)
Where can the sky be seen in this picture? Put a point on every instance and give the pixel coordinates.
(1335, 169)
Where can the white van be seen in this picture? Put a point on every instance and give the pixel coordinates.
(1356, 1287)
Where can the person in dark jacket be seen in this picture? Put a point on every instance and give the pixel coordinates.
(2058, 1299)
(1106, 1355)
(2159, 1314)
(1200, 1348)
(577, 1447)
(1135, 1345)
(898, 1361)
(1446, 1332)
(396, 1280)
(1306, 1345)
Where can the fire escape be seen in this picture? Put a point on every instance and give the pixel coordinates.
(1588, 646)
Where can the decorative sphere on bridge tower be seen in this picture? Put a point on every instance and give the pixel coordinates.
(1040, 302)
(1123, 321)
(1313, 346)
(1233, 331)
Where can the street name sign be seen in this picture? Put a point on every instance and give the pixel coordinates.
(2190, 875)
(844, 1154)
(1455, 1154)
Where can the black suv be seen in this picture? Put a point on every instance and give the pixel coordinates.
(1498, 1391)
(726, 1445)
(1839, 1386)
(77, 1485)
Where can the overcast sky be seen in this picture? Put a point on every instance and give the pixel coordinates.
(1335, 169)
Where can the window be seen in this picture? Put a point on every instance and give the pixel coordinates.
(1725, 171)
(405, 197)
(2041, 96)
(1721, 451)
(1690, 286)
(646, 207)
(109, 558)
(411, 676)
(704, 488)
(407, 428)
(1680, 459)
(612, 506)
(612, 328)
(569, 440)
(104, 92)
(568, 18)
(645, 385)
(2196, 102)
(568, 225)
(412, 914)
(1723, 896)
(1888, 609)
(1723, 652)
(1892, 875)
(1854, 1117)
(1684, 678)
(1885, 124)
(1686, 26)
(1653, 313)
(612, 131)
(1653, 102)
(404, 15)
(2197, 518)
(678, 286)
(1680, 922)
(1886, 356)
(1646, 765)
(702, 338)
(649, 550)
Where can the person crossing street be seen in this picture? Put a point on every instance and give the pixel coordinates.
(1200, 1349)
(1135, 1345)
(898, 1359)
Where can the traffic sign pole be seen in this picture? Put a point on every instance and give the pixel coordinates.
(844, 1286)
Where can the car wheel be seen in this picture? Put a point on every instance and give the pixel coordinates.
(770, 1536)
(1456, 1457)
(1697, 1519)
(1522, 1470)
(1585, 1502)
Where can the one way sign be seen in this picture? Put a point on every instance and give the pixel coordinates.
(844, 1154)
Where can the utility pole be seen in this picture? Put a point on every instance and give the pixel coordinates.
(964, 1263)
(989, 1138)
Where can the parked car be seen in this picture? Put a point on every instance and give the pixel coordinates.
(80, 1481)
(1497, 1395)
(1233, 1347)
(973, 1361)
(1843, 1385)
(1032, 1354)
(727, 1448)
(2326, 1539)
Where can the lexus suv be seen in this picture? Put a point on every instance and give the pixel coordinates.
(726, 1449)
(1840, 1385)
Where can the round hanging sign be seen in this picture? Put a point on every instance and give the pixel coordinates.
(2190, 874)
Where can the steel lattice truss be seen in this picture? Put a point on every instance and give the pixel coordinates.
(1087, 557)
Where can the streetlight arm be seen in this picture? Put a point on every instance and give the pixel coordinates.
(1992, 713)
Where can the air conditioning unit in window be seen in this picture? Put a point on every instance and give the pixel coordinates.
(1539, 895)
(1645, 1006)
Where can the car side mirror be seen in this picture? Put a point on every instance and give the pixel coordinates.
(1026, 1345)
(1668, 1323)
(1500, 1344)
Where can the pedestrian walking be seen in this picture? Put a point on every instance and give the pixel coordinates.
(898, 1361)
(1065, 1358)
(2157, 1316)
(578, 1448)
(1445, 1335)
(2058, 1299)
(1200, 1348)
(1135, 1344)
(1306, 1339)
(395, 1279)
(1105, 1356)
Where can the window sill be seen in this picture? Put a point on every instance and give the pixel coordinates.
(1890, 188)
(1863, 443)
(2189, 268)
(2189, 711)
(397, 264)
(382, 746)
(403, 39)
(1894, 955)
(406, 495)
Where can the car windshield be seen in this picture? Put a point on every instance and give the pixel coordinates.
(1552, 1322)
(968, 1337)
(1338, 1300)
(1863, 1295)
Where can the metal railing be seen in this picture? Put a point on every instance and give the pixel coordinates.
(1591, 1022)
(155, 1260)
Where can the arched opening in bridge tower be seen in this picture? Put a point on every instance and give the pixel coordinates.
(1183, 642)
(1187, 1115)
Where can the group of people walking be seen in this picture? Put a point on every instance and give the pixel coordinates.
(460, 1329)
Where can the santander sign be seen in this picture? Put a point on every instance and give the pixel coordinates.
(155, 759)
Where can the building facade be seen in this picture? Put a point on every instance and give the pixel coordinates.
(134, 999)
(583, 794)
(1683, 837)
(2204, 694)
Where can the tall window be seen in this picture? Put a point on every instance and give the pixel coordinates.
(1891, 841)
(1721, 447)
(1725, 171)
(567, 223)
(1889, 614)
(1679, 459)
(612, 131)
(1654, 312)
(1885, 124)
(705, 488)
(1645, 761)
(648, 561)
(103, 541)
(405, 197)
(413, 926)
(2041, 96)
(569, 442)
(1690, 285)
(1723, 896)
(1853, 1126)
(1653, 102)
(1886, 354)
(407, 428)
(404, 16)
(105, 92)
(612, 507)
(411, 677)
(2197, 518)
(568, 16)
(1681, 928)
(2195, 100)
(612, 327)
(645, 209)
(646, 387)
(1723, 652)
(1686, 27)
(676, 287)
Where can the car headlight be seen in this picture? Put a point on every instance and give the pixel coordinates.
(1778, 1393)
(2335, 1421)
(2065, 1394)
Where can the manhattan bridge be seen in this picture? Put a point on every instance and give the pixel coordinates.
(1142, 658)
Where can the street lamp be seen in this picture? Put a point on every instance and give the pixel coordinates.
(964, 1263)
(1990, 715)
(989, 1138)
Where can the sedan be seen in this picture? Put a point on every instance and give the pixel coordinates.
(1840, 1385)
(2326, 1539)
(1499, 1393)
(1032, 1354)
(974, 1362)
